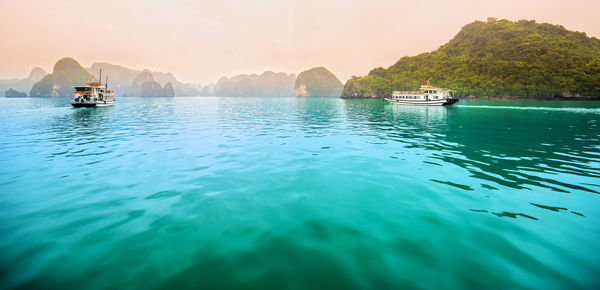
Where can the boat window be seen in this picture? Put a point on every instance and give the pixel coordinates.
(82, 89)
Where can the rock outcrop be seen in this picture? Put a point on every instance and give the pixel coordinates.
(317, 82)
(121, 79)
(67, 73)
(144, 85)
(12, 93)
(169, 91)
(267, 84)
(23, 85)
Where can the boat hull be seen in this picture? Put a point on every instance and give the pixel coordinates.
(91, 104)
(442, 102)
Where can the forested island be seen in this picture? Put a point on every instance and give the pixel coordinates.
(497, 59)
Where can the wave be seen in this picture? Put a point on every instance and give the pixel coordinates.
(572, 110)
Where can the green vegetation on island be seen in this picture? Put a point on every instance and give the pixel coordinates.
(497, 58)
(317, 82)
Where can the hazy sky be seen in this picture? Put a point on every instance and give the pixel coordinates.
(199, 41)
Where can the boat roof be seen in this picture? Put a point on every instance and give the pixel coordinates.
(90, 85)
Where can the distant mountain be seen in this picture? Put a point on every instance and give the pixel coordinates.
(67, 72)
(497, 58)
(317, 81)
(135, 87)
(169, 91)
(144, 85)
(11, 93)
(23, 85)
(180, 88)
(208, 90)
(267, 84)
(121, 78)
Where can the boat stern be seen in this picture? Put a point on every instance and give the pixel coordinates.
(450, 102)
(82, 103)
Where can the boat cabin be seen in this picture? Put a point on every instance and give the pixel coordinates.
(425, 93)
(92, 91)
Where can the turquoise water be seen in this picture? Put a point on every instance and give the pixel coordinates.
(266, 193)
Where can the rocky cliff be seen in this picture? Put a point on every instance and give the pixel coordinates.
(144, 85)
(67, 73)
(267, 84)
(12, 93)
(23, 85)
(120, 79)
(317, 81)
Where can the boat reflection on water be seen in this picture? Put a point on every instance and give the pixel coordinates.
(419, 116)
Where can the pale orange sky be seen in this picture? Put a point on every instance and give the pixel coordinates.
(200, 41)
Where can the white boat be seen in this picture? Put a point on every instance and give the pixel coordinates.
(93, 94)
(426, 95)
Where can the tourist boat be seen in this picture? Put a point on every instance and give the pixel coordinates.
(93, 94)
(426, 95)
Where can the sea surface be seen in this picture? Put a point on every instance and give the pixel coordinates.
(299, 193)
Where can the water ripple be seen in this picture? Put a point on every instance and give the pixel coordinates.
(286, 193)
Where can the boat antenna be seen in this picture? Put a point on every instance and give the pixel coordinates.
(106, 82)
(100, 76)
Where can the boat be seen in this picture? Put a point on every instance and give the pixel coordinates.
(93, 94)
(426, 95)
